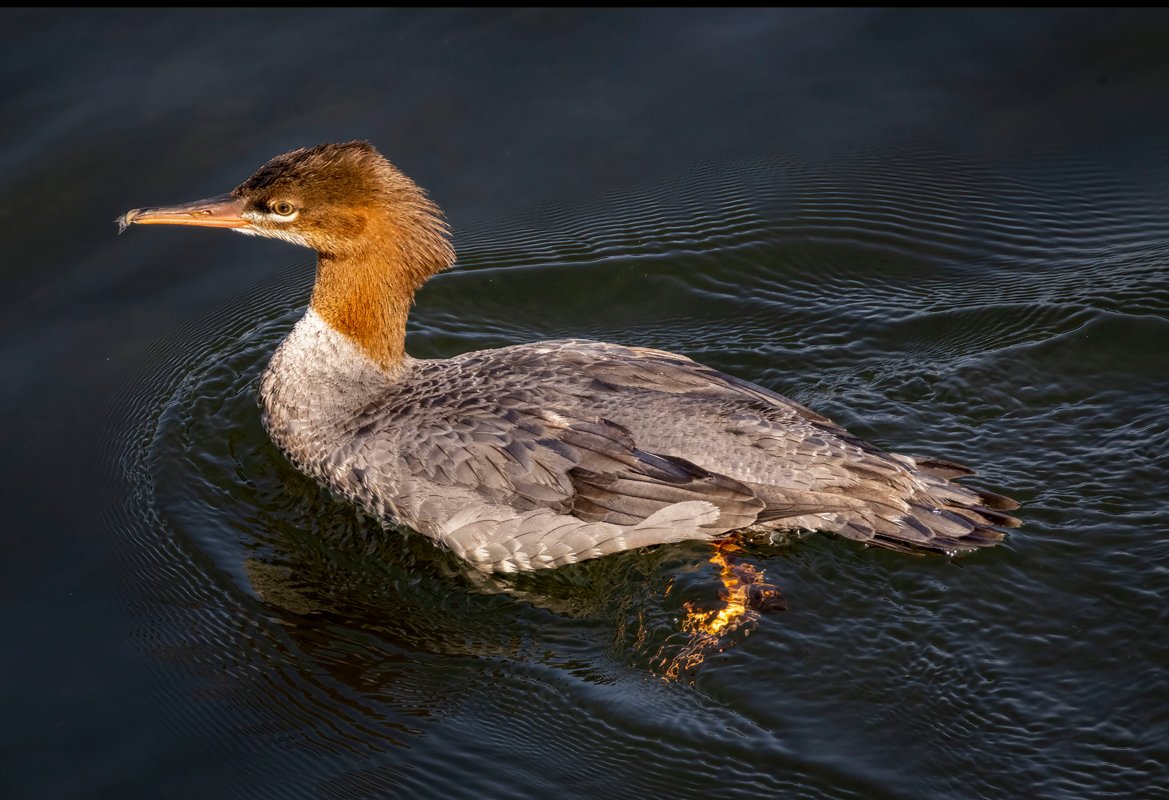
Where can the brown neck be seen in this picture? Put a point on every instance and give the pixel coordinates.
(365, 292)
(365, 303)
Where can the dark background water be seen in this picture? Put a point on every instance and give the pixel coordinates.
(946, 230)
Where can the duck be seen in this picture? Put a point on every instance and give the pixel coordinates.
(538, 455)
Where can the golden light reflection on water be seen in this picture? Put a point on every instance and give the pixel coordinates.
(745, 596)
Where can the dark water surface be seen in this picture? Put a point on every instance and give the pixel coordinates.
(947, 231)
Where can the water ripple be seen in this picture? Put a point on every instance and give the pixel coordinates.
(1002, 317)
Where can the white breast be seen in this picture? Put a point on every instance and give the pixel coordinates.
(317, 385)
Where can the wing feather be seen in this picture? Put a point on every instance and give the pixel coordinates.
(556, 452)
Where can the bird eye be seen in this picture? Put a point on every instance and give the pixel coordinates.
(282, 208)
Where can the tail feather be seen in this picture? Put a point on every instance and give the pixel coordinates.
(998, 502)
(910, 505)
(936, 466)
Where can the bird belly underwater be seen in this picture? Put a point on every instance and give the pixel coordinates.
(544, 454)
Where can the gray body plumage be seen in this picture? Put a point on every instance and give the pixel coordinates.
(545, 454)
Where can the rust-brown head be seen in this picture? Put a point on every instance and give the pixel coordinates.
(341, 200)
(377, 235)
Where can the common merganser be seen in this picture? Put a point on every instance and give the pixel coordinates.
(543, 454)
